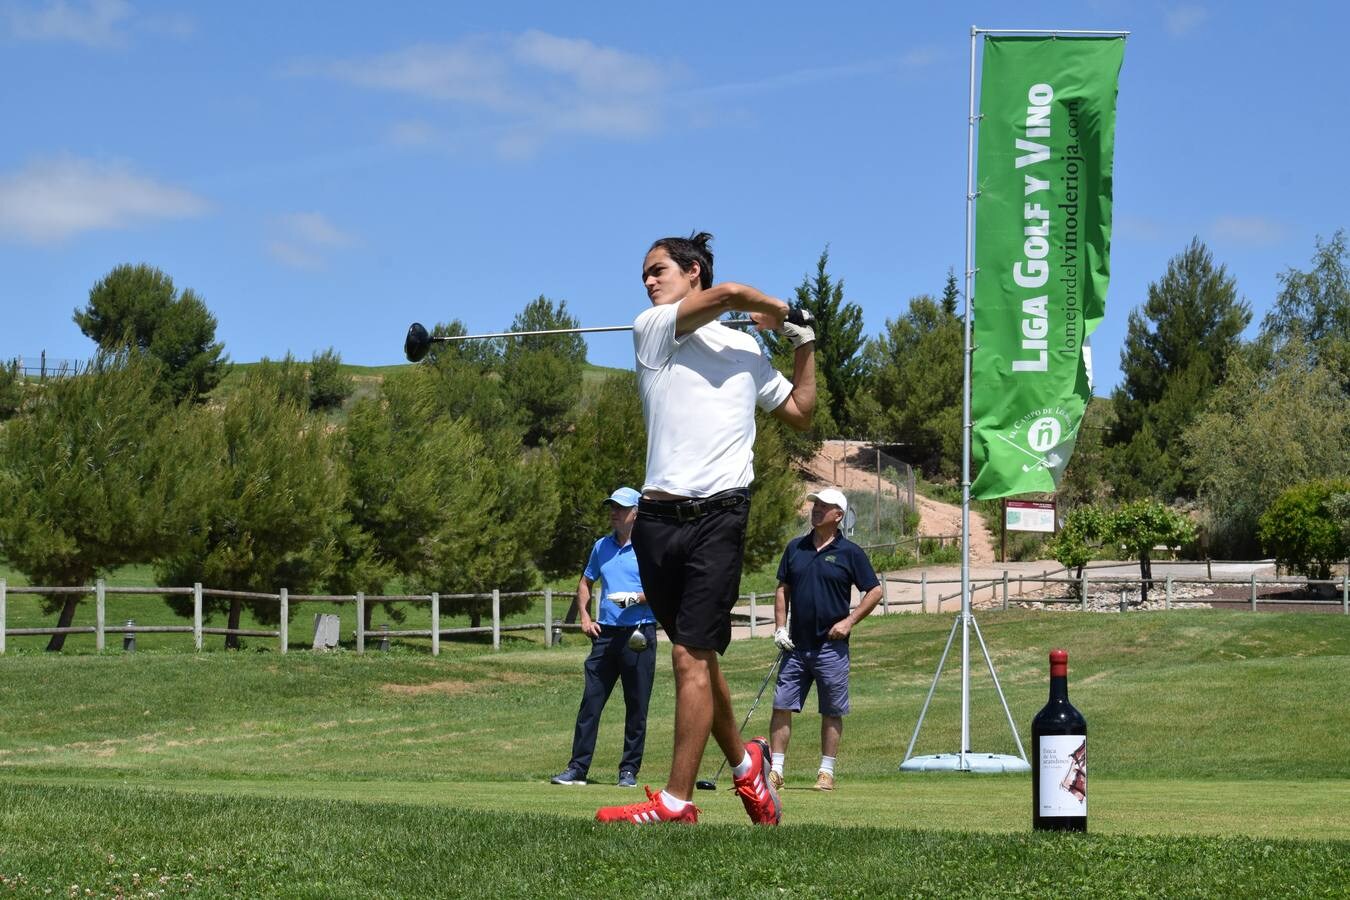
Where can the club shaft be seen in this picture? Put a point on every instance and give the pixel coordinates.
(767, 678)
(732, 323)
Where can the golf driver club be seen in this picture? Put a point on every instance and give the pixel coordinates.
(419, 340)
(705, 784)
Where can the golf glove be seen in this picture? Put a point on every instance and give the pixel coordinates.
(623, 599)
(780, 637)
(799, 327)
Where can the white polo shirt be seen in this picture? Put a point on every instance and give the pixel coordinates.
(699, 394)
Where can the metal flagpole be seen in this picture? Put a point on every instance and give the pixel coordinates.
(964, 760)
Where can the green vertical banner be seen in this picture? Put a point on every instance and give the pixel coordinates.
(1042, 252)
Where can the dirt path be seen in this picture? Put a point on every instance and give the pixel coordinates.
(852, 467)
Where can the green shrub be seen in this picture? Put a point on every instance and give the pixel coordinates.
(1301, 531)
(11, 391)
(329, 386)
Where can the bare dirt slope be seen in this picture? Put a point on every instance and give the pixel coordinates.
(852, 467)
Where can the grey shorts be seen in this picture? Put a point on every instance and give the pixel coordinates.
(827, 667)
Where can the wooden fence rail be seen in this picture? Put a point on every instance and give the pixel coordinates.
(1085, 582)
(553, 627)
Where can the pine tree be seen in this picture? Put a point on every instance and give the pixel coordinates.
(913, 394)
(950, 293)
(138, 308)
(95, 474)
(1177, 349)
(542, 375)
(275, 503)
(839, 340)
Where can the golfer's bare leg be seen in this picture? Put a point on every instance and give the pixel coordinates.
(693, 716)
(724, 728)
(780, 730)
(831, 727)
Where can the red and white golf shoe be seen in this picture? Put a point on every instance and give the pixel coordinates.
(650, 812)
(756, 790)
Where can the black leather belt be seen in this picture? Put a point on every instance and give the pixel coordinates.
(693, 508)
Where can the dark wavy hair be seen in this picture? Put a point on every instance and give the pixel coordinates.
(687, 251)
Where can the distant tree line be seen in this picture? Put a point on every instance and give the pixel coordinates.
(483, 467)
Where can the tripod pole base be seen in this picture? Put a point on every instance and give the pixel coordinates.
(981, 763)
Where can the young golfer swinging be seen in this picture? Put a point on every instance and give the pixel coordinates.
(700, 383)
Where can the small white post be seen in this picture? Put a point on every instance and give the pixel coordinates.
(3, 588)
(360, 622)
(1005, 590)
(1167, 603)
(1253, 582)
(923, 592)
(435, 623)
(283, 628)
(752, 613)
(496, 618)
(1345, 603)
(100, 613)
(885, 596)
(1084, 588)
(548, 617)
(197, 615)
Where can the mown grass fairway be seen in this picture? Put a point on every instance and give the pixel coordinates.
(1219, 767)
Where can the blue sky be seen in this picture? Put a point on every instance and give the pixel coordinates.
(322, 174)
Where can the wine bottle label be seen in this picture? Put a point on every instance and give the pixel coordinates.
(1063, 765)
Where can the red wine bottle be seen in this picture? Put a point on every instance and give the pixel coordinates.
(1059, 757)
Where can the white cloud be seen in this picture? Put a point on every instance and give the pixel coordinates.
(1249, 229)
(54, 199)
(923, 57)
(1139, 228)
(94, 23)
(519, 89)
(303, 239)
(1183, 20)
(98, 23)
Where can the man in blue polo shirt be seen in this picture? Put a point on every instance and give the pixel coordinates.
(623, 648)
(815, 581)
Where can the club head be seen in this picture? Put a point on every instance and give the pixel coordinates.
(704, 784)
(417, 343)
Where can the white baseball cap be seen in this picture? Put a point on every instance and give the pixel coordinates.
(832, 497)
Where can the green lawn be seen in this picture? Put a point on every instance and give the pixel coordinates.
(1219, 767)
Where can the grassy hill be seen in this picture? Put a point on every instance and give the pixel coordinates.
(1219, 766)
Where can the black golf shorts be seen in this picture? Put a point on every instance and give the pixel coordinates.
(689, 555)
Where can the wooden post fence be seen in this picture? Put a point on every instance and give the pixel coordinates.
(548, 617)
(496, 619)
(360, 622)
(283, 627)
(436, 623)
(100, 614)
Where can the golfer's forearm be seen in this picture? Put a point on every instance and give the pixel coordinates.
(780, 607)
(584, 601)
(798, 410)
(705, 306)
(866, 605)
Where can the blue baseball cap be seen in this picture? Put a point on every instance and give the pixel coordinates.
(624, 496)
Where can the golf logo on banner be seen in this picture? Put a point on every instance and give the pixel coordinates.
(1042, 252)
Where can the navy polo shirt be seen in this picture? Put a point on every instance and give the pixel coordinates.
(820, 583)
